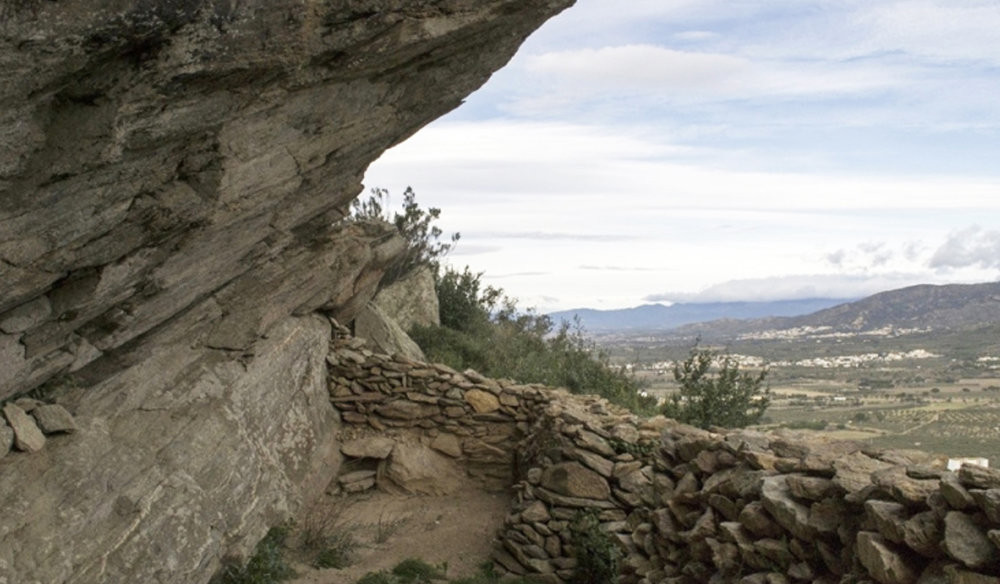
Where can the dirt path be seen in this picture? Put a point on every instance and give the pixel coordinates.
(458, 529)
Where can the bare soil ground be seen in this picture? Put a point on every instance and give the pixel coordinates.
(388, 528)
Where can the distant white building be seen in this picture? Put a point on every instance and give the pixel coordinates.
(956, 463)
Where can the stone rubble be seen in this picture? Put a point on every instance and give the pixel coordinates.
(686, 505)
(29, 421)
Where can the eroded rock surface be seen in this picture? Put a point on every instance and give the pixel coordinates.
(160, 157)
(173, 178)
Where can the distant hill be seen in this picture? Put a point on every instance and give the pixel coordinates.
(658, 317)
(950, 306)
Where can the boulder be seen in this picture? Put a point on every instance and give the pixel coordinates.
(989, 502)
(53, 419)
(411, 300)
(966, 542)
(371, 447)
(889, 518)
(482, 402)
(415, 468)
(886, 564)
(27, 436)
(384, 335)
(447, 443)
(973, 476)
(535, 512)
(854, 471)
(572, 479)
(923, 533)
(789, 513)
(955, 493)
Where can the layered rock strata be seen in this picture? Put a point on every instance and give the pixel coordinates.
(173, 178)
(159, 158)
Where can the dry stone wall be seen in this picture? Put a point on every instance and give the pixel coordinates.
(684, 505)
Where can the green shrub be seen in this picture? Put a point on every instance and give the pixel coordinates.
(596, 551)
(415, 571)
(336, 552)
(729, 398)
(378, 578)
(482, 329)
(266, 566)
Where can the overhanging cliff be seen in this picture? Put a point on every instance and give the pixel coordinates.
(173, 175)
(158, 157)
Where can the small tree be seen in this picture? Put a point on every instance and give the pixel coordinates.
(729, 397)
(416, 225)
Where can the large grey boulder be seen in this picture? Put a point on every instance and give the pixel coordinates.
(27, 436)
(415, 468)
(885, 563)
(383, 335)
(412, 300)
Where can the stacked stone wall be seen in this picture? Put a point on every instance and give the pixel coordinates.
(684, 505)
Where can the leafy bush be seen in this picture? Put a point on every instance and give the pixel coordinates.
(483, 329)
(596, 551)
(729, 398)
(336, 551)
(416, 571)
(267, 566)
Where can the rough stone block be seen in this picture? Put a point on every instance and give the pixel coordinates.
(27, 436)
(53, 418)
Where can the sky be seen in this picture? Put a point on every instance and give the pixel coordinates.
(714, 150)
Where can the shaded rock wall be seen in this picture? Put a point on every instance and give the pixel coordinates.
(158, 157)
(177, 461)
(684, 505)
(173, 174)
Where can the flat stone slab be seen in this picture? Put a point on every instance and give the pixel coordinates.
(53, 418)
(27, 436)
(374, 447)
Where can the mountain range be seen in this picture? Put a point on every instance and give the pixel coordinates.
(661, 317)
(925, 306)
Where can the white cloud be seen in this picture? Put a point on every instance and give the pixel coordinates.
(696, 35)
(970, 247)
(678, 74)
(536, 163)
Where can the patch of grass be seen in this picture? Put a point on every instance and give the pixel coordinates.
(378, 578)
(325, 538)
(597, 553)
(337, 552)
(413, 570)
(386, 528)
(266, 566)
(416, 571)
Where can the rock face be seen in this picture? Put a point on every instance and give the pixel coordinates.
(173, 178)
(384, 335)
(189, 452)
(412, 300)
(159, 158)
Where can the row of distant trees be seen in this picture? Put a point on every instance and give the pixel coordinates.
(482, 328)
